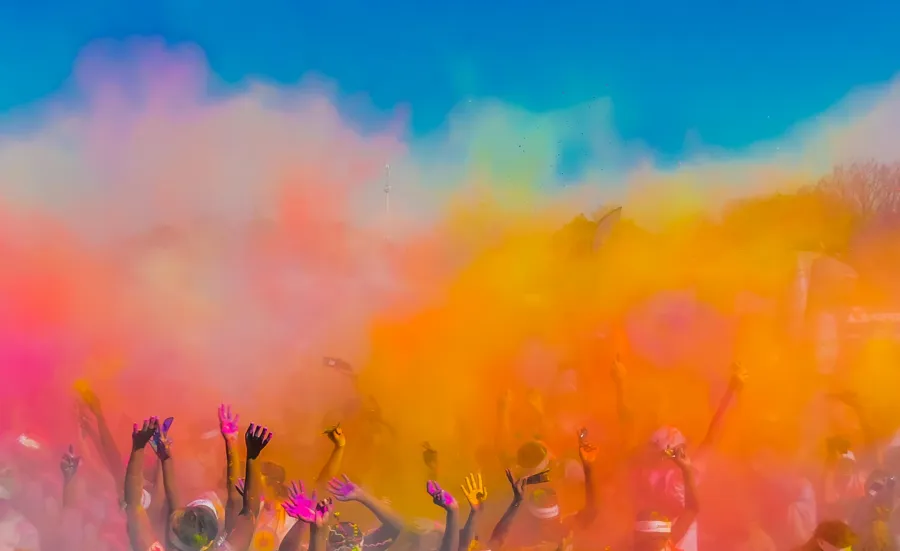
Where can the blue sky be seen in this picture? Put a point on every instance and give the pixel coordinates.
(727, 73)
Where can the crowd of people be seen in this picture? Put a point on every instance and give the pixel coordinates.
(254, 506)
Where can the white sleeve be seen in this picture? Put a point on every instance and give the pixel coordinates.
(28, 537)
(802, 514)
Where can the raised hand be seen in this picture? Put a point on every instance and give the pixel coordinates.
(344, 490)
(299, 505)
(475, 492)
(518, 486)
(429, 456)
(586, 451)
(228, 423)
(88, 398)
(739, 376)
(336, 435)
(239, 486)
(161, 442)
(323, 512)
(679, 457)
(87, 424)
(141, 435)
(441, 497)
(257, 438)
(69, 464)
(619, 372)
(305, 508)
(505, 401)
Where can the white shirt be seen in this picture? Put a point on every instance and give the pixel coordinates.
(662, 490)
(18, 533)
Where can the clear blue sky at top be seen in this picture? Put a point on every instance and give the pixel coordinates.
(730, 72)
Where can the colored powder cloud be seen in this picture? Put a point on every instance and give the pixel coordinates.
(179, 243)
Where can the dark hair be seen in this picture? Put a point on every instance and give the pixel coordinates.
(836, 533)
(531, 454)
(195, 526)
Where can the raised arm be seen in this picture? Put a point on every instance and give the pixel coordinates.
(157, 508)
(691, 505)
(503, 435)
(52, 529)
(303, 508)
(69, 466)
(430, 458)
(103, 437)
(140, 534)
(872, 449)
(162, 444)
(476, 494)
(229, 428)
(392, 524)
(333, 466)
(443, 499)
(623, 406)
(588, 454)
(735, 385)
(501, 530)
(241, 537)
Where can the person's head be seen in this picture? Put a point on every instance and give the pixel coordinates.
(834, 535)
(194, 528)
(663, 439)
(532, 457)
(652, 531)
(344, 536)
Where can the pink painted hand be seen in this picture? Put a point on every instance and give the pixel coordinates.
(344, 490)
(299, 505)
(239, 485)
(228, 423)
(323, 512)
(306, 508)
(441, 497)
(161, 442)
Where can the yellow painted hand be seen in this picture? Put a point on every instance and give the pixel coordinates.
(474, 490)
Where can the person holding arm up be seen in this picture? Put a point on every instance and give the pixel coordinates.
(655, 532)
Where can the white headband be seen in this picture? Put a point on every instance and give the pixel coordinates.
(545, 512)
(181, 546)
(177, 544)
(848, 455)
(205, 503)
(653, 527)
